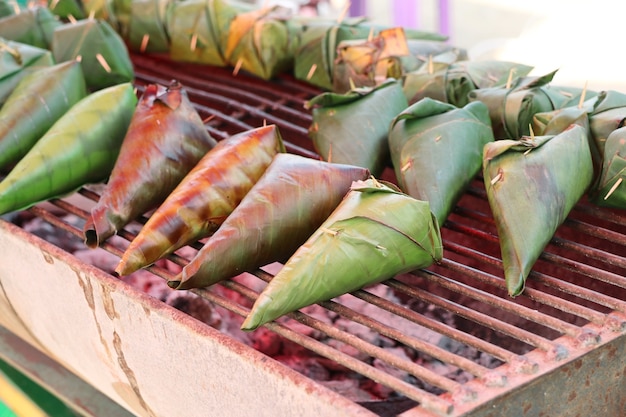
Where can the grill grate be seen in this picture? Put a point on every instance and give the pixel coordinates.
(574, 303)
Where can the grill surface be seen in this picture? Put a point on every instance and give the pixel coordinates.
(569, 321)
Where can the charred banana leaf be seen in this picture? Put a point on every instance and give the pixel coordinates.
(205, 197)
(165, 140)
(436, 150)
(101, 51)
(80, 148)
(532, 184)
(16, 61)
(375, 233)
(338, 136)
(292, 198)
(38, 101)
(452, 82)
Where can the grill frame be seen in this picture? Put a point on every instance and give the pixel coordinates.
(586, 326)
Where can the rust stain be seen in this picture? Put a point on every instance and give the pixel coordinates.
(130, 375)
(85, 285)
(47, 257)
(109, 305)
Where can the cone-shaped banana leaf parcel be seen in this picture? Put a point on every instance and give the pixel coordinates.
(511, 108)
(67, 8)
(102, 51)
(147, 31)
(35, 104)
(452, 82)
(292, 198)
(532, 184)
(165, 140)
(338, 136)
(33, 26)
(436, 150)
(205, 197)
(199, 29)
(80, 148)
(263, 42)
(9, 7)
(16, 61)
(375, 233)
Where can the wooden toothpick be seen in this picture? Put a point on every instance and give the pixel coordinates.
(193, 42)
(309, 75)
(237, 67)
(509, 80)
(613, 188)
(144, 43)
(343, 13)
(71, 18)
(496, 178)
(582, 96)
(103, 62)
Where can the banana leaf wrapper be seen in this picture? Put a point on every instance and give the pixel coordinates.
(611, 188)
(115, 12)
(66, 8)
(16, 61)
(165, 140)
(147, 30)
(608, 114)
(102, 52)
(199, 30)
(9, 8)
(80, 148)
(436, 150)
(288, 203)
(338, 136)
(390, 54)
(531, 190)
(205, 197)
(375, 233)
(451, 82)
(33, 26)
(38, 101)
(263, 42)
(512, 108)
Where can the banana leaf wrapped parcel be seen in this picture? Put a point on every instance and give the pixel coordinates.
(33, 26)
(199, 30)
(389, 54)
(205, 197)
(452, 82)
(147, 29)
(436, 150)
(165, 140)
(9, 7)
(512, 108)
(375, 233)
(80, 148)
(36, 103)
(532, 184)
(610, 190)
(102, 52)
(292, 198)
(338, 136)
(263, 42)
(16, 61)
(67, 9)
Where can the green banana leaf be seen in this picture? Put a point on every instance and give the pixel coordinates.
(199, 30)
(532, 184)
(338, 136)
(67, 9)
(611, 188)
(33, 26)
(115, 12)
(263, 42)
(436, 150)
(375, 233)
(9, 8)
(205, 197)
(292, 199)
(102, 51)
(80, 148)
(147, 31)
(512, 108)
(608, 114)
(38, 101)
(16, 61)
(452, 82)
(165, 140)
(389, 54)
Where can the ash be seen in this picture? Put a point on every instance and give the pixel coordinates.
(327, 372)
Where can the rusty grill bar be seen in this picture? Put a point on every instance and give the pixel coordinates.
(574, 303)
